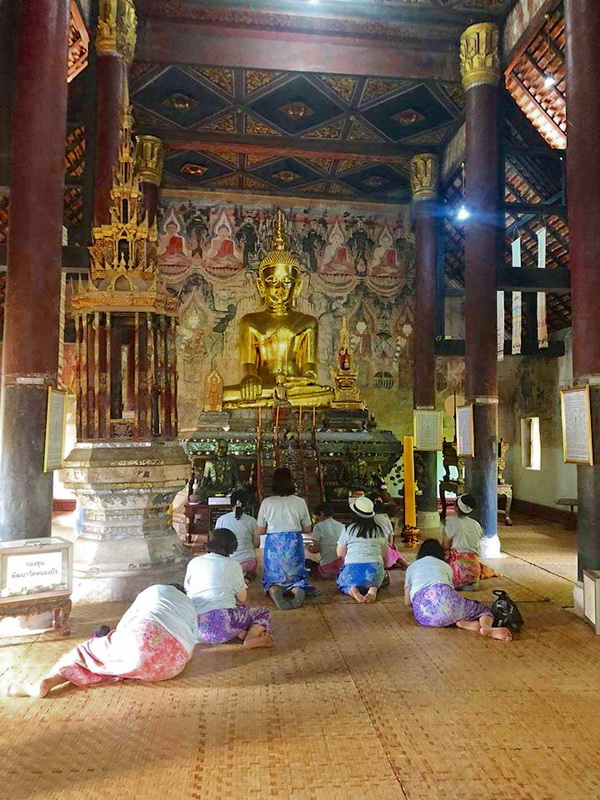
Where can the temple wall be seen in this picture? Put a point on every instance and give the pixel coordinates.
(358, 263)
(531, 387)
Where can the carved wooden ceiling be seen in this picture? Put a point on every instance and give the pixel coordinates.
(299, 97)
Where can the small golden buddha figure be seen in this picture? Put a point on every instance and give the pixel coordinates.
(278, 340)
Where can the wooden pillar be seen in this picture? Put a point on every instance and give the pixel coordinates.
(149, 161)
(480, 68)
(583, 196)
(115, 43)
(424, 183)
(32, 312)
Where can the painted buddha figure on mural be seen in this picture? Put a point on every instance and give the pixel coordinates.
(278, 340)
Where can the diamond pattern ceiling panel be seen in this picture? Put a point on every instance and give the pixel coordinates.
(408, 113)
(194, 167)
(296, 106)
(286, 173)
(180, 98)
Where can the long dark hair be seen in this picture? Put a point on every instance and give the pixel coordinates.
(431, 547)
(238, 501)
(364, 528)
(283, 483)
(223, 542)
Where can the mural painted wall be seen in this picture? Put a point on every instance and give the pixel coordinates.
(358, 263)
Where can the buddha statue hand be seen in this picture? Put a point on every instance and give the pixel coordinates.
(251, 388)
(310, 375)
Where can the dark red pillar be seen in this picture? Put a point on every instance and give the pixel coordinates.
(424, 179)
(149, 161)
(480, 73)
(31, 328)
(583, 194)
(111, 70)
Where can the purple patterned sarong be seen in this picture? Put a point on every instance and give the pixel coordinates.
(439, 606)
(223, 624)
(364, 575)
(283, 563)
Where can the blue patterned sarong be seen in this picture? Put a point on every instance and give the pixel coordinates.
(283, 563)
(364, 575)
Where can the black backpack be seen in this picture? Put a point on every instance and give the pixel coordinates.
(506, 612)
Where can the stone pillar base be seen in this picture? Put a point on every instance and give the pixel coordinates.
(578, 599)
(428, 520)
(490, 547)
(125, 541)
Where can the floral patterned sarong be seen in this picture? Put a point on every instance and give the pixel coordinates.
(465, 568)
(363, 575)
(283, 563)
(224, 624)
(392, 558)
(142, 649)
(439, 606)
(249, 568)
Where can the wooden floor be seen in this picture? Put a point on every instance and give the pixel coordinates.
(353, 703)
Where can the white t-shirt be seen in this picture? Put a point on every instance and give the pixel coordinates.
(363, 551)
(465, 534)
(327, 534)
(244, 529)
(278, 514)
(168, 606)
(426, 571)
(213, 581)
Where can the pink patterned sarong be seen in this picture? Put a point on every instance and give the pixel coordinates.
(392, 558)
(249, 568)
(465, 569)
(142, 649)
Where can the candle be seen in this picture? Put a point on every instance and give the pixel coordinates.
(300, 417)
(314, 417)
(259, 417)
(410, 505)
(276, 416)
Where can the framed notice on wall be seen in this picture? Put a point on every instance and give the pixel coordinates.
(465, 431)
(56, 427)
(428, 429)
(576, 418)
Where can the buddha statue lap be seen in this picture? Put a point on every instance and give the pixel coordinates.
(278, 341)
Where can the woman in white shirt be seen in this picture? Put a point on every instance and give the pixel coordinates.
(283, 517)
(362, 544)
(461, 539)
(153, 641)
(244, 527)
(215, 583)
(435, 603)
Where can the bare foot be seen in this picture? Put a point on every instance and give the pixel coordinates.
(503, 634)
(25, 689)
(264, 639)
(356, 595)
(469, 625)
(371, 595)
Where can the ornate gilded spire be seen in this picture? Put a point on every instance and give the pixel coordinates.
(424, 176)
(116, 33)
(479, 58)
(278, 254)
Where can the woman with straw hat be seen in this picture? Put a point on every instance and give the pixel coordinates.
(362, 544)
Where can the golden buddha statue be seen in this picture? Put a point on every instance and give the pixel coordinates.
(278, 340)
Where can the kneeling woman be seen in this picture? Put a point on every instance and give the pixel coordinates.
(362, 544)
(435, 602)
(153, 642)
(215, 583)
(284, 517)
(461, 539)
(244, 527)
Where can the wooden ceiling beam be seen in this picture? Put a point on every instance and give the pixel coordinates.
(282, 147)
(177, 42)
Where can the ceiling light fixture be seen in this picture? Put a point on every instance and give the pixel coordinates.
(463, 213)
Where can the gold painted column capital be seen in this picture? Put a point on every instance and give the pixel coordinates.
(479, 56)
(149, 158)
(116, 31)
(424, 169)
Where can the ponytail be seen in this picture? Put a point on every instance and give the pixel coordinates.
(238, 501)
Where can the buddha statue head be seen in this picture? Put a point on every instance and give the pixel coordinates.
(278, 281)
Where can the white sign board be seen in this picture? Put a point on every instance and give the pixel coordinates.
(34, 573)
(576, 425)
(428, 429)
(465, 435)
